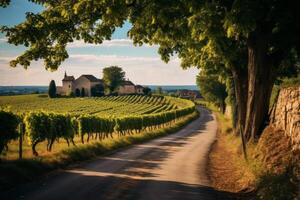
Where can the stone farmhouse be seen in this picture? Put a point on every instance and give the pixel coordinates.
(85, 85)
(89, 85)
(128, 87)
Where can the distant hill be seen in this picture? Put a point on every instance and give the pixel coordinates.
(16, 90)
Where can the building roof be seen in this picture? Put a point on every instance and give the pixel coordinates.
(69, 78)
(189, 93)
(127, 83)
(139, 86)
(91, 78)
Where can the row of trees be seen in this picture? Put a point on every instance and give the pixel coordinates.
(50, 127)
(250, 43)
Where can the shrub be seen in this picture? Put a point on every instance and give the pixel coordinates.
(52, 89)
(8, 128)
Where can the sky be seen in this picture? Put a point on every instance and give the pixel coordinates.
(141, 64)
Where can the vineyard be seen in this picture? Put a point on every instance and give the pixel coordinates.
(29, 120)
(104, 106)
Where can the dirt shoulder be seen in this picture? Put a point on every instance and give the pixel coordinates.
(227, 169)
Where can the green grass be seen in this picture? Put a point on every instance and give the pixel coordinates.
(14, 172)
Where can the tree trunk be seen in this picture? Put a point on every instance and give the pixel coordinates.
(240, 79)
(260, 83)
(34, 152)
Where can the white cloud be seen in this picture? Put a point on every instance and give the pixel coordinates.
(106, 43)
(112, 58)
(6, 59)
(3, 40)
(140, 70)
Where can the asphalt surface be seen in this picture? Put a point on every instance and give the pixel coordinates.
(171, 167)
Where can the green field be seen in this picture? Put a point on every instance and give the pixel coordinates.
(101, 106)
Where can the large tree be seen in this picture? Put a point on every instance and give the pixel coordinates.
(249, 38)
(113, 78)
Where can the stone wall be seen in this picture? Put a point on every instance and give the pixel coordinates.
(286, 114)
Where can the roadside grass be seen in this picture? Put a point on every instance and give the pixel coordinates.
(251, 179)
(228, 169)
(14, 172)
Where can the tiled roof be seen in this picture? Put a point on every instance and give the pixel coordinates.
(91, 78)
(139, 86)
(69, 78)
(127, 83)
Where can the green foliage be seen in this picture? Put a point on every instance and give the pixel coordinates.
(283, 83)
(92, 124)
(178, 26)
(4, 3)
(290, 82)
(52, 89)
(97, 91)
(8, 128)
(41, 126)
(113, 77)
(88, 124)
(279, 186)
(147, 91)
(212, 89)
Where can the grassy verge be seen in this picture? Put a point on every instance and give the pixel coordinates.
(227, 168)
(266, 175)
(13, 172)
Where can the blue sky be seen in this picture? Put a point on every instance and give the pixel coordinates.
(141, 64)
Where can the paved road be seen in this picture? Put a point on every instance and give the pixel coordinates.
(171, 167)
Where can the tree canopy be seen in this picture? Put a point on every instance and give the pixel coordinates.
(113, 78)
(147, 91)
(250, 41)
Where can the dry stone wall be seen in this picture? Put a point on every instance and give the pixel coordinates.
(286, 114)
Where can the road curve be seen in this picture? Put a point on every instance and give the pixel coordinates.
(171, 167)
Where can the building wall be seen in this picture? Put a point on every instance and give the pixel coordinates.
(139, 90)
(59, 90)
(127, 89)
(80, 83)
(67, 87)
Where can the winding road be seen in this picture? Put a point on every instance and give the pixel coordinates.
(171, 167)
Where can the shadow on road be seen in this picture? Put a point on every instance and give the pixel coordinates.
(115, 188)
